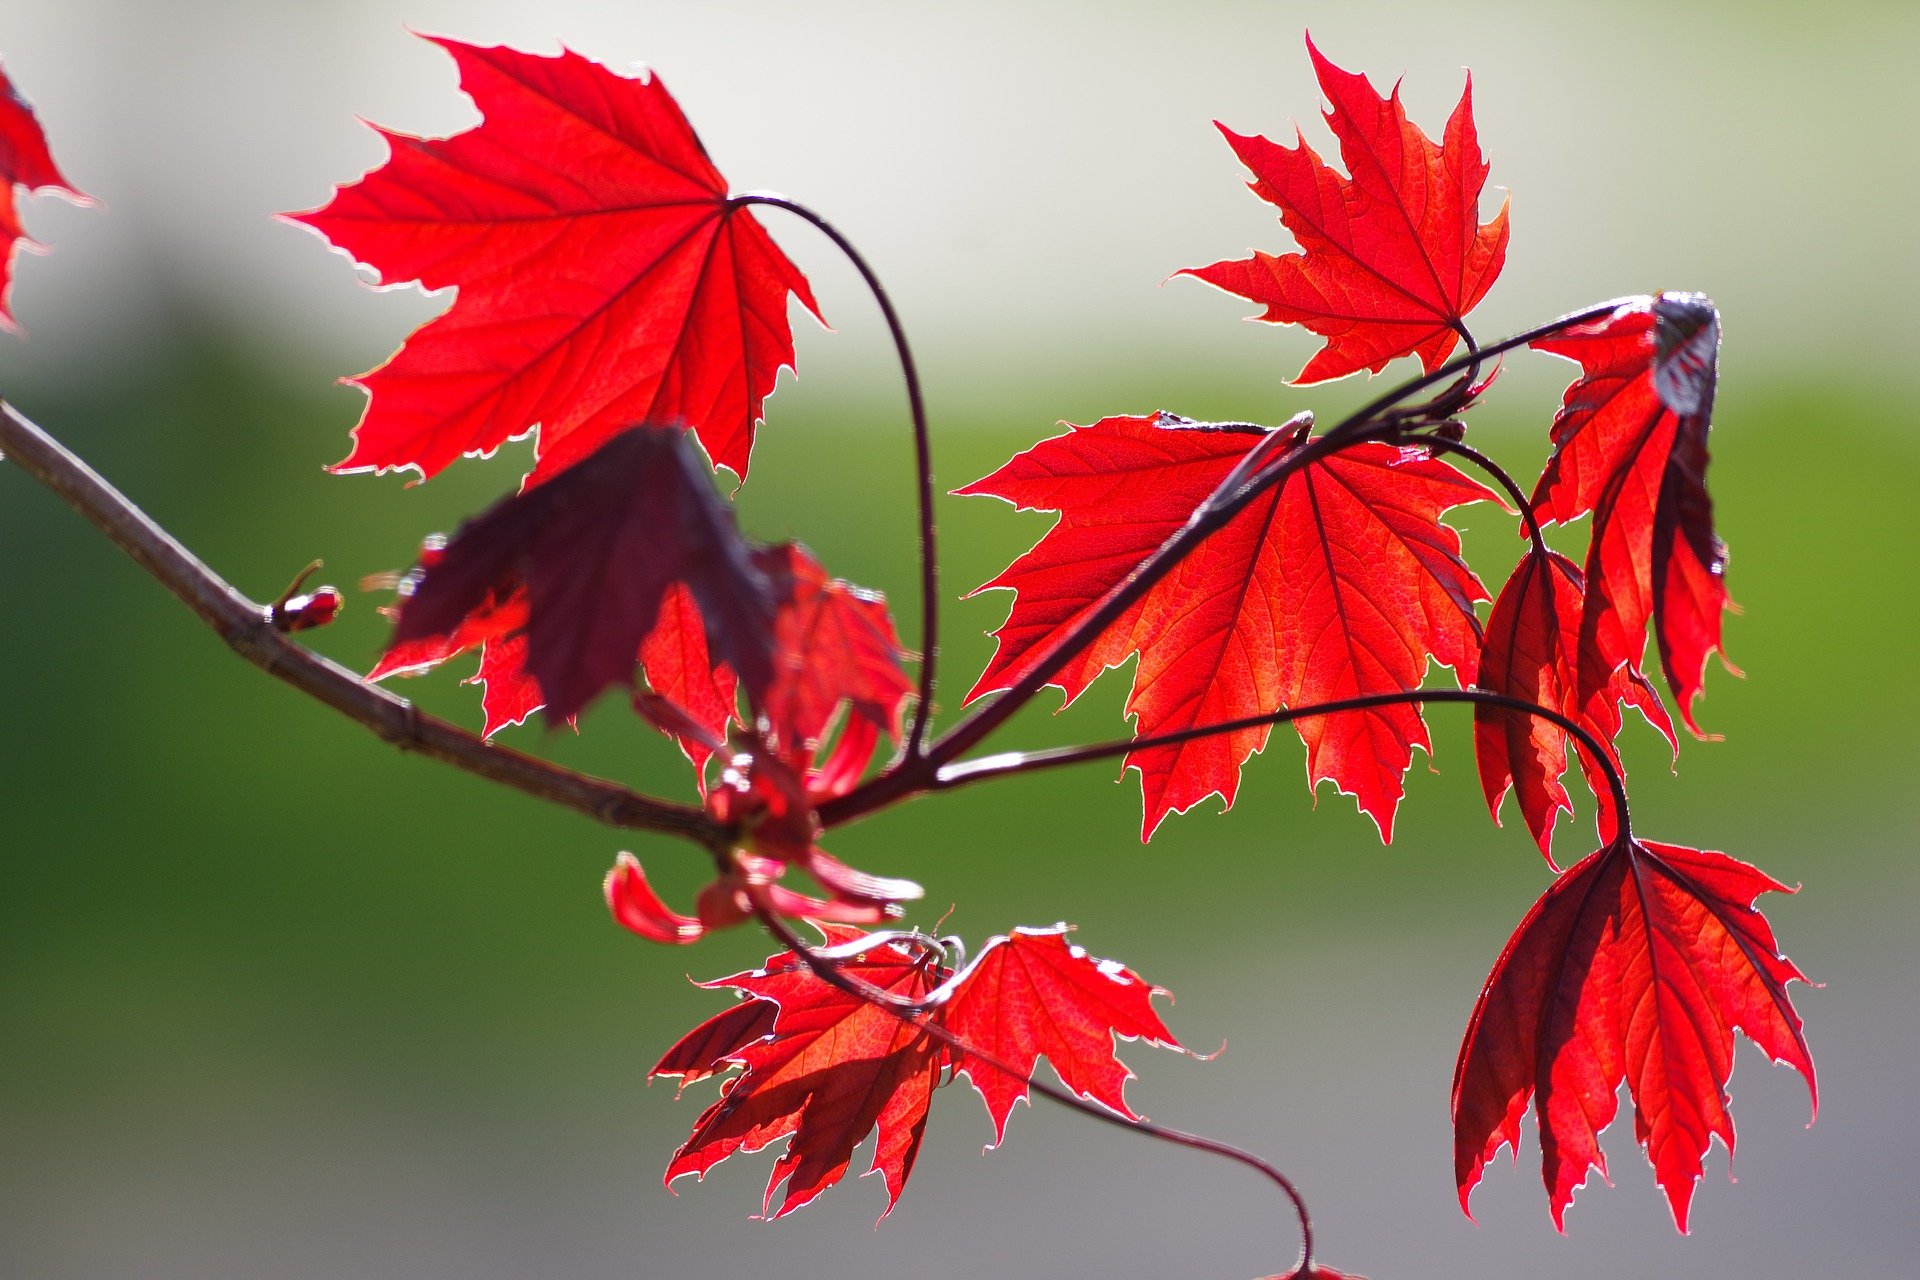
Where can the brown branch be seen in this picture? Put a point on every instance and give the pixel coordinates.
(248, 629)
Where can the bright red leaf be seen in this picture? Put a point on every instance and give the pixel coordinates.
(679, 666)
(823, 1068)
(1392, 257)
(1339, 581)
(1630, 448)
(834, 1069)
(25, 163)
(598, 550)
(604, 277)
(1638, 964)
(833, 643)
(1531, 652)
(1034, 993)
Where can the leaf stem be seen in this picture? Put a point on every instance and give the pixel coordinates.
(828, 970)
(248, 629)
(1018, 762)
(1499, 475)
(923, 459)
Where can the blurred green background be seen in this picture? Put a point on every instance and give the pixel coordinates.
(279, 1001)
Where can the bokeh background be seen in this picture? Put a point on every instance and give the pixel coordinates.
(279, 1001)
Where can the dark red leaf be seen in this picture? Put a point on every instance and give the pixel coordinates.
(604, 277)
(598, 550)
(25, 163)
(1531, 652)
(712, 1047)
(834, 1069)
(1033, 993)
(1638, 964)
(828, 1068)
(1339, 581)
(1392, 257)
(1630, 447)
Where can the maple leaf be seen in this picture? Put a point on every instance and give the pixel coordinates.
(679, 667)
(1032, 993)
(597, 550)
(833, 643)
(1638, 964)
(1630, 448)
(1531, 651)
(823, 1068)
(604, 276)
(1392, 257)
(1339, 581)
(834, 1069)
(708, 1049)
(25, 163)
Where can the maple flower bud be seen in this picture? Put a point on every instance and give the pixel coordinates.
(304, 612)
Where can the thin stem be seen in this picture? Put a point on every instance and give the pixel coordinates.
(1017, 762)
(248, 628)
(923, 459)
(828, 970)
(1499, 475)
(1360, 417)
(1473, 350)
(915, 775)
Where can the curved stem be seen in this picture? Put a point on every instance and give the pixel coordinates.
(1473, 351)
(1015, 762)
(1365, 414)
(1498, 474)
(248, 628)
(923, 458)
(828, 970)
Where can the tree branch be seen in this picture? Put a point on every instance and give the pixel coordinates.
(248, 629)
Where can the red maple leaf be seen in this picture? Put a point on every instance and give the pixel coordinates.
(824, 1068)
(834, 643)
(1531, 652)
(834, 1069)
(1630, 447)
(1638, 964)
(598, 550)
(604, 276)
(1339, 581)
(1034, 993)
(1394, 256)
(26, 163)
